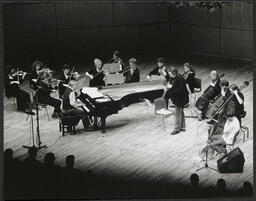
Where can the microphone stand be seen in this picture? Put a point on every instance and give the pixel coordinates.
(35, 101)
(206, 157)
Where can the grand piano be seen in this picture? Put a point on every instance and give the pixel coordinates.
(116, 97)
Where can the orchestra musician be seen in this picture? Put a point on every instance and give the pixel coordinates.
(116, 59)
(13, 81)
(231, 127)
(160, 70)
(238, 100)
(189, 76)
(96, 74)
(133, 73)
(211, 92)
(64, 79)
(44, 91)
(178, 93)
(72, 106)
(37, 67)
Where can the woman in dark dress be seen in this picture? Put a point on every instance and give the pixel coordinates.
(35, 73)
(13, 80)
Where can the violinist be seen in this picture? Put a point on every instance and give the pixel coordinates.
(238, 100)
(43, 94)
(133, 73)
(189, 76)
(37, 67)
(116, 59)
(211, 92)
(160, 70)
(12, 89)
(178, 93)
(64, 79)
(96, 74)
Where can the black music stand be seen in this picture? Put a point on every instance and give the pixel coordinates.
(37, 126)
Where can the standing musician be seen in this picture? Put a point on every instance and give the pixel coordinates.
(96, 74)
(230, 130)
(178, 93)
(160, 70)
(238, 100)
(37, 67)
(72, 106)
(12, 89)
(209, 93)
(189, 76)
(42, 95)
(133, 73)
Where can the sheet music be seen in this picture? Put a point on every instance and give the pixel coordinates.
(92, 92)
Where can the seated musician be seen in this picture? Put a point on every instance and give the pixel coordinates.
(231, 128)
(72, 106)
(96, 74)
(35, 73)
(116, 59)
(238, 100)
(12, 89)
(133, 73)
(64, 79)
(43, 94)
(160, 70)
(189, 76)
(210, 92)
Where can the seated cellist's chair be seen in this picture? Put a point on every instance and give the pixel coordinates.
(244, 129)
(161, 109)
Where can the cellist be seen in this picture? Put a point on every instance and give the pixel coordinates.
(229, 108)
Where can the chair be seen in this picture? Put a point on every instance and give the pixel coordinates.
(197, 85)
(44, 106)
(68, 121)
(161, 109)
(244, 129)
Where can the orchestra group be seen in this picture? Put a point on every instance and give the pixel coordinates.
(221, 102)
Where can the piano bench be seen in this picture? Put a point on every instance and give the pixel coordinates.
(68, 122)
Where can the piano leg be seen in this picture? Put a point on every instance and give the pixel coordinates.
(103, 124)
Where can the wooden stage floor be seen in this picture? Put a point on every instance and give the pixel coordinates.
(135, 144)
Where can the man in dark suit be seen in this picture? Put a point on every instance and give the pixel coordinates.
(178, 93)
(133, 75)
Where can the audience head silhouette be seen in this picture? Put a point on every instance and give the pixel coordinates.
(70, 161)
(8, 154)
(194, 179)
(221, 184)
(32, 152)
(49, 159)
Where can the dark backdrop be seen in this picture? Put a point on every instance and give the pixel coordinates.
(74, 31)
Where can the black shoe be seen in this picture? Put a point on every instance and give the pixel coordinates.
(174, 132)
(210, 122)
(183, 129)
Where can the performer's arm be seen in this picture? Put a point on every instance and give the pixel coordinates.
(239, 99)
(73, 102)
